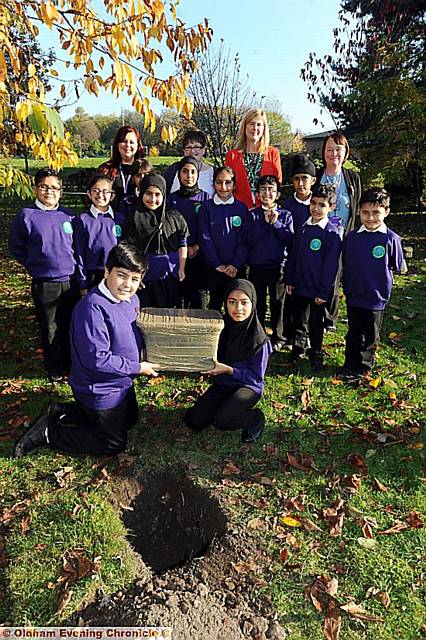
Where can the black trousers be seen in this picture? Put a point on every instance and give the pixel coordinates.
(194, 297)
(54, 302)
(270, 280)
(79, 429)
(362, 338)
(216, 285)
(332, 304)
(308, 321)
(226, 409)
(161, 294)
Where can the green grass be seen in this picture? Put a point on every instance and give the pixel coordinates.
(334, 423)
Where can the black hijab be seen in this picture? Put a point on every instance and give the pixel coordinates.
(241, 340)
(188, 192)
(143, 229)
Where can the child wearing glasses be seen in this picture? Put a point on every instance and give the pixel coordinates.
(268, 235)
(96, 232)
(41, 239)
(127, 206)
(194, 144)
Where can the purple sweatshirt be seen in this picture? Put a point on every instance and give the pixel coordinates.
(369, 258)
(313, 261)
(220, 233)
(189, 208)
(42, 241)
(248, 373)
(299, 211)
(105, 350)
(94, 237)
(267, 244)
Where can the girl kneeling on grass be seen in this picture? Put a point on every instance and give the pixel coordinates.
(243, 353)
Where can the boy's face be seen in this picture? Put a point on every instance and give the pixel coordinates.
(372, 215)
(303, 183)
(49, 191)
(122, 283)
(188, 175)
(152, 198)
(268, 195)
(319, 208)
(101, 195)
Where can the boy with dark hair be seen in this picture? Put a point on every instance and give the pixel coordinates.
(41, 239)
(311, 272)
(303, 177)
(370, 256)
(105, 351)
(268, 233)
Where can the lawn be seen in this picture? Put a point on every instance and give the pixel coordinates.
(335, 490)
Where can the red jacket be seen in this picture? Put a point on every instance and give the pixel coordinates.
(271, 166)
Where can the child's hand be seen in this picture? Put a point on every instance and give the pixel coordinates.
(192, 251)
(271, 216)
(289, 289)
(220, 368)
(320, 301)
(149, 369)
(221, 268)
(83, 292)
(181, 274)
(231, 271)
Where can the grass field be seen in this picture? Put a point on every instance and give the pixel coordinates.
(335, 489)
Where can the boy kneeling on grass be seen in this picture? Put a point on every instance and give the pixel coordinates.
(105, 353)
(370, 255)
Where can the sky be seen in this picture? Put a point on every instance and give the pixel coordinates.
(273, 44)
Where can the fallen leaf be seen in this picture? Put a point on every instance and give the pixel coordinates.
(355, 460)
(284, 555)
(336, 381)
(231, 469)
(279, 405)
(357, 611)
(416, 445)
(25, 524)
(397, 528)
(414, 521)
(290, 522)
(384, 599)
(306, 398)
(257, 523)
(309, 525)
(379, 485)
(367, 543)
(156, 380)
(336, 525)
(332, 622)
(354, 483)
(376, 382)
(293, 541)
(367, 531)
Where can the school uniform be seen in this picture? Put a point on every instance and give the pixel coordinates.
(299, 210)
(105, 350)
(369, 260)
(221, 242)
(127, 205)
(123, 184)
(311, 270)
(42, 241)
(229, 403)
(95, 234)
(268, 247)
(245, 188)
(159, 235)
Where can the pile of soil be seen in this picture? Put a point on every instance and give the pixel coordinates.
(208, 591)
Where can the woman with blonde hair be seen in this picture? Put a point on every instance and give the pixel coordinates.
(253, 157)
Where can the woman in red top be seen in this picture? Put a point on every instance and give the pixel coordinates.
(253, 157)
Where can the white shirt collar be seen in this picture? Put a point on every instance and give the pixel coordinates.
(217, 200)
(43, 207)
(107, 293)
(382, 229)
(322, 223)
(95, 212)
(307, 202)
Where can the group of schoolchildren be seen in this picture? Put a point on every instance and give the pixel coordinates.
(189, 248)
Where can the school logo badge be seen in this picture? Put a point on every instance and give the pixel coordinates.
(236, 221)
(378, 251)
(197, 207)
(315, 244)
(117, 231)
(67, 227)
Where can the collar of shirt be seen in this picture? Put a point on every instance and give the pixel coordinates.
(96, 212)
(322, 223)
(217, 200)
(107, 293)
(307, 201)
(382, 229)
(274, 209)
(41, 206)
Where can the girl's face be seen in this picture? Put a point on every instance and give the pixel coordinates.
(128, 147)
(152, 198)
(335, 155)
(188, 175)
(238, 305)
(254, 130)
(49, 191)
(224, 185)
(101, 195)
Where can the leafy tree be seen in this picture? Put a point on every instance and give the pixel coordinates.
(375, 84)
(83, 129)
(115, 47)
(279, 126)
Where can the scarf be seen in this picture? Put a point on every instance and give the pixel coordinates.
(187, 192)
(146, 224)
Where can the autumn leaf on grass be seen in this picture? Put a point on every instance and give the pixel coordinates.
(414, 521)
(357, 611)
(322, 587)
(376, 382)
(25, 524)
(384, 599)
(304, 463)
(355, 460)
(257, 523)
(231, 469)
(289, 521)
(64, 476)
(283, 555)
(353, 482)
(156, 380)
(309, 525)
(379, 485)
(306, 398)
(332, 621)
(396, 528)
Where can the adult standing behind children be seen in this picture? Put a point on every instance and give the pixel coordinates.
(253, 157)
(194, 144)
(106, 356)
(41, 239)
(335, 152)
(160, 234)
(126, 148)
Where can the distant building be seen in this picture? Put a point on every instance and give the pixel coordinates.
(314, 141)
